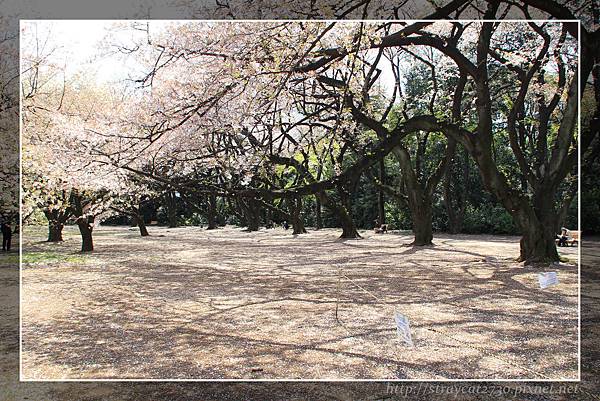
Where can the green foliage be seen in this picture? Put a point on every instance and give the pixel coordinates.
(397, 216)
(590, 204)
(489, 219)
(193, 219)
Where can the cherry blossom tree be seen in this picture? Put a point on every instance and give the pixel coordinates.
(9, 126)
(236, 111)
(59, 177)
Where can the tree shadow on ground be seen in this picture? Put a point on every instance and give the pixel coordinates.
(225, 306)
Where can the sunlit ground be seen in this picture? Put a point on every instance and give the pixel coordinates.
(190, 303)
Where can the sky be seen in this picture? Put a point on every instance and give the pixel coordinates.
(79, 44)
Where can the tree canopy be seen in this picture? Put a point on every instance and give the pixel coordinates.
(273, 116)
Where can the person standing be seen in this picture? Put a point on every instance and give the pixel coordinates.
(6, 236)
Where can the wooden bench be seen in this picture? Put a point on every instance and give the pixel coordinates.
(572, 238)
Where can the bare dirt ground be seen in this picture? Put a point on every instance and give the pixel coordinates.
(190, 303)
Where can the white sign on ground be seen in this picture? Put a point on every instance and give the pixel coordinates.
(403, 328)
(547, 279)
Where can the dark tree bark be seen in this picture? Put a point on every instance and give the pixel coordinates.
(251, 213)
(343, 213)
(318, 205)
(422, 227)
(318, 216)
(86, 226)
(171, 209)
(139, 221)
(253, 221)
(57, 219)
(348, 226)
(212, 212)
(137, 218)
(295, 207)
(538, 240)
(268, 218)
(237, 209)
(380, 197)
(55, 231)
(419, 192)
(537, 218)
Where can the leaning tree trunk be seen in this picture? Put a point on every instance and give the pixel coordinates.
(85, 228)
(139, 221)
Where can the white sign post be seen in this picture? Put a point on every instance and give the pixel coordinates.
(403, 328)
(547, 279)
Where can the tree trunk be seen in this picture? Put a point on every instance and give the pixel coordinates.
(212, 212)
(419, 196)
(251, 214)
(295, 207)
(380, 198)
(268, 218)
(56, 223)
(171, 206)
(139, 221)
(346, 221)
(454, 196)
(345, 213)
(86, 226)
(235, 205)
(318, 217)
(55, 231)
(422, 224)
(253, 221)
(537, 225)
(538, 243)
(348, 227)
(172, 217)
